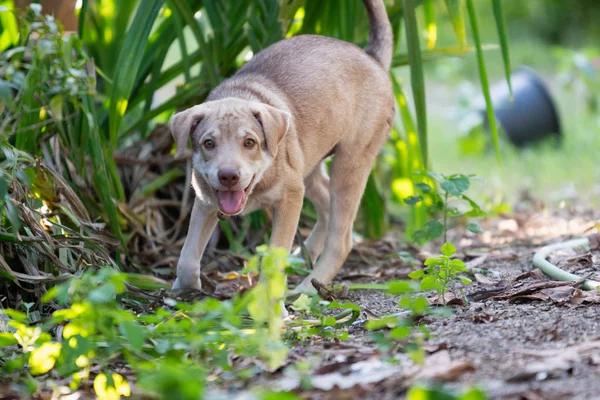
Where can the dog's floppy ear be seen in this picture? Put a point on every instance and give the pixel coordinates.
(275, 124)
(183, 124)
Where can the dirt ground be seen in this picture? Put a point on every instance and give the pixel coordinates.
(518, 335)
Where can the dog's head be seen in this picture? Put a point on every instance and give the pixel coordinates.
(233, 142)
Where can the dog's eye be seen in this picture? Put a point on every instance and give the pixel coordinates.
(209, 144)
(249, 143)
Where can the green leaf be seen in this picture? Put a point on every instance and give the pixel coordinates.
(483, 77)
(433, 261)
(134, 333)
(188, 16)
(103, 294)
(433, 230)
(420, 305)
(498, 15)
(474, 227)
(476, 210)
(455, 10)
(400, 332)
(7, 339)
(373, 208)
(129, 61)
(430, 25)
(457, 266)
(425, 188)
(416, 75)
(448, 249)
(43, 358)
(401, 287)
(416, 274)
(456, 185)
(429, 283)
(412, 200)
(466, 281)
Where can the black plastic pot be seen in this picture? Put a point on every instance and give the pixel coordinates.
(532, 115)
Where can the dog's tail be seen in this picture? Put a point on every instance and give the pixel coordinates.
(381, 38)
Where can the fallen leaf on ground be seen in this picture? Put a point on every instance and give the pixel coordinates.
(440, 367)
(484, 280)
(554, 361)
(534, 273)
(449, 299)
(487, 293)
(347, 376)
(476, 262)
(530, 289)
(585, 297)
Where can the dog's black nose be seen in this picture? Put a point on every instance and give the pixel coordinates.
(229, 177)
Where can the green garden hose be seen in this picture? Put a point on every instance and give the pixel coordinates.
(539, 260)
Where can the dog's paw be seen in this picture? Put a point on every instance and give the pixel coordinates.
(193, 284)
(284, 311)
(305, 286)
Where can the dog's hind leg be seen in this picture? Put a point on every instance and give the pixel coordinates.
(349, 173)
(317, 191)
(202, 224)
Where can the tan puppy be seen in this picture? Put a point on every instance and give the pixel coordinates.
(261, 137)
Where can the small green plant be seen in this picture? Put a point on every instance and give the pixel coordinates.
(169, 349)
(451, 201)
(439, 392)
(440, 271)
(403, 328)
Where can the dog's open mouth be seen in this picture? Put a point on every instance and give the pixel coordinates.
(232, 202)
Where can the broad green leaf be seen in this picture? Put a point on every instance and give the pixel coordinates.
(433, 261)
(474, 227)
(448, 249)
(416, 274)
(401, 287)
(457, 266)
(474, 394)
(416, 75)
(412, 200)
(9, 30)
(129, 61)
(400, 332)
(456, 185)
(466, 281)
(43, 358)
(485, 86)
(134, 333)
(498, 15)
(420, 305)
(111, 387)
(103, 294)
(429, 283)
(425, 188)
(7, 339)
(433, 230)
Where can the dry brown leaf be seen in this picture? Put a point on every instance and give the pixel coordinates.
(585, 297)
(484, 280)
(449, 299)
(440, 367)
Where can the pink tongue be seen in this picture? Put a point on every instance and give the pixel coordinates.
(231, 201)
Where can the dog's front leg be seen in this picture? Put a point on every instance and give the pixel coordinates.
(286, 214)
(202, 224)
